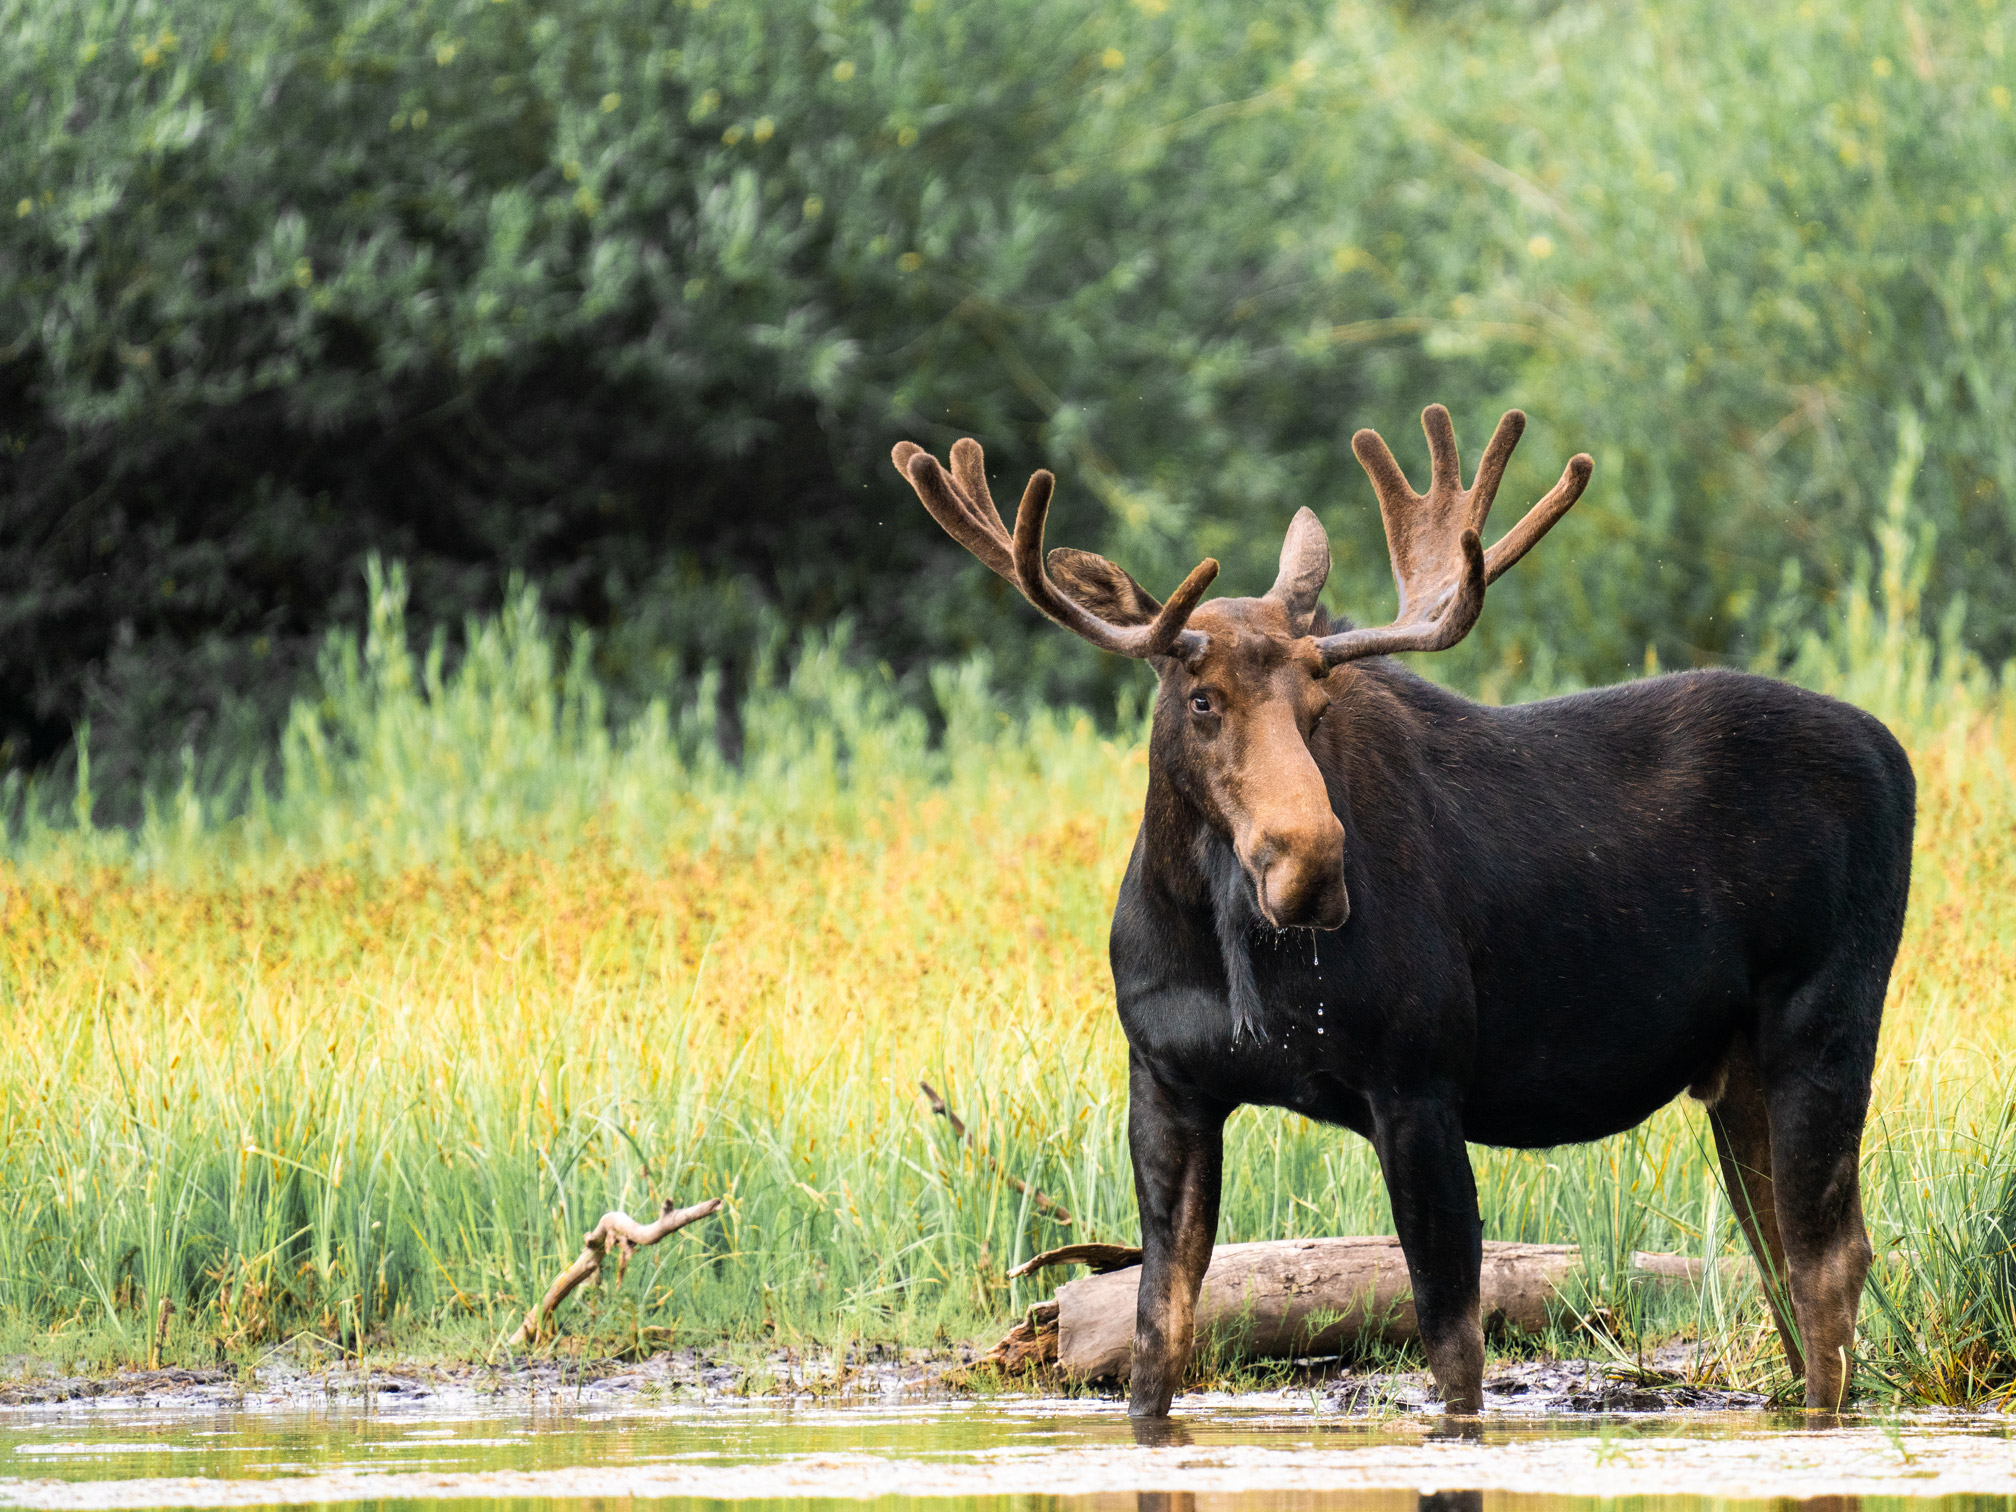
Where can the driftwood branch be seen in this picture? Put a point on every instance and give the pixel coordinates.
(617, 1232)
(1044, 1202)
(1100, 1258)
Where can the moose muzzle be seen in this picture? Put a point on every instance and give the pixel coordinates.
(1298, 874)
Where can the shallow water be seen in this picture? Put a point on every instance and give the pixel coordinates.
(554, 1456)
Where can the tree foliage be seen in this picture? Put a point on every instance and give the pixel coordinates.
(633, 296)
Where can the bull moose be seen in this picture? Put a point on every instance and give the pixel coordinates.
(1361, 896)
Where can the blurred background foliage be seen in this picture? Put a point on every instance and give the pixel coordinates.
(629, 298)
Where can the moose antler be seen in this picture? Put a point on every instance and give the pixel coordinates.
(1435, 539)
(960, 501)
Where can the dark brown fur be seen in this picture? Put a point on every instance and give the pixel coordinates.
(1362, 897)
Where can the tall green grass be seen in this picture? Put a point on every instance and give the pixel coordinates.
(356, 1043)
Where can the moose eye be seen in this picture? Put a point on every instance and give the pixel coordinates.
(1200, 703)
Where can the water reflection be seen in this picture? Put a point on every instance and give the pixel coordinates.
(1012, 1456)
(1161, 1433)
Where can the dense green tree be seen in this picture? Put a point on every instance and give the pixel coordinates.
(633, 296)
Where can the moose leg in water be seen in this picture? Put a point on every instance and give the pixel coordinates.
(1178, 1147)
(1427, 1169)
(1818, 1048)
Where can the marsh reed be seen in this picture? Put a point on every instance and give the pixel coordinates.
(357, 1046)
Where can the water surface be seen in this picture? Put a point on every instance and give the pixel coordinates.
(555, 1456)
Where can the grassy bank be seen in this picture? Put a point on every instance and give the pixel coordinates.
(361, 1045)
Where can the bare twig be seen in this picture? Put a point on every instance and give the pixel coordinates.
(160, 1339)
(1045, 1203)
(939, 1107)
(1100, 1257)
(617, 1231)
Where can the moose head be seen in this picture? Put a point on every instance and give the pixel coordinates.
(1244, 681)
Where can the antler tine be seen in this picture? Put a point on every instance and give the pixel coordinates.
(961, 502)
(1435, 538)
(1163, 636)
(969, 470)
(1445, 470)
(959, 515)
(1538, 520)
(1388, 481)
(1491, 471)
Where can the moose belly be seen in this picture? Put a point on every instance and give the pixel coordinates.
(1589, 1071)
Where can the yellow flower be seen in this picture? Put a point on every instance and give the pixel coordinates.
(910, 262)
(843, 70)
(764, 129)
(1541, 246)
(814, 207)
(1112, 58)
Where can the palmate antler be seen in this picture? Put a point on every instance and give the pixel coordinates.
(1435, 539)
(960, 501)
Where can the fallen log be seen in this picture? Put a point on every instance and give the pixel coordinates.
(1292, 1297)
(1731, 1268)
(1033, 1341)
(621, 1233)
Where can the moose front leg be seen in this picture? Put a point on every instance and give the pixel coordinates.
(1434, 1196)
(1178, 1148)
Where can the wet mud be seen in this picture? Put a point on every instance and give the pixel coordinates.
(1524, 1387)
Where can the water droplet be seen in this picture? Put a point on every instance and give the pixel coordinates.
(1319, 1028)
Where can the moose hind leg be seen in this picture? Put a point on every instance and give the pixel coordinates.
(1434, 1194)
(1816, 1054)
(1178, 1149)
(1742, 1126)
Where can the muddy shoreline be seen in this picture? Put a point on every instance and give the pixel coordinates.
(782, 1376)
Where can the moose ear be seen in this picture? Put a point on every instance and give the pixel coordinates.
(1101, 587)
(1305, 567)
